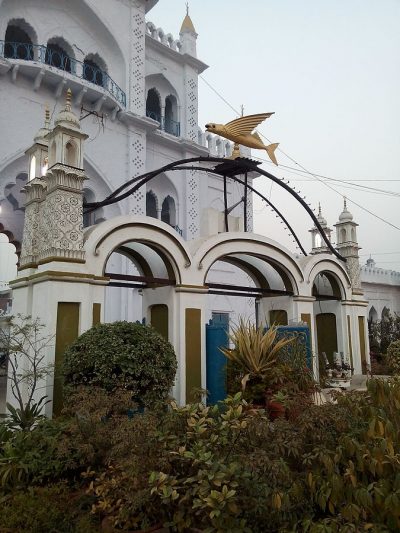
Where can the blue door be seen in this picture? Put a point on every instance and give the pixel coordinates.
(216, 336)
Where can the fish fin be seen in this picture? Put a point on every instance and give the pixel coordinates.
(257, 136)
(270, 151)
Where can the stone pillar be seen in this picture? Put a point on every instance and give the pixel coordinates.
(61, 224)
(35, 192)
(189, 340)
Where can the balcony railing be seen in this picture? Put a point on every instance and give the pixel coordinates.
(54, 58)
(166, 124)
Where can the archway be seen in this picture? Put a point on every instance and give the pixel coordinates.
(153, 105)
(19, 39)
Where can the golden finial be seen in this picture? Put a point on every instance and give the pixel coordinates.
(240, 132)
(68, 99)
(187, 8)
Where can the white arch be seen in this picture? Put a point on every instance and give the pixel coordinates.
(320, 263)
(224, 244)
(101, 240)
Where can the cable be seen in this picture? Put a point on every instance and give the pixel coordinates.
(301, 166)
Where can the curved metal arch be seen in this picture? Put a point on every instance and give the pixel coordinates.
(242, 165)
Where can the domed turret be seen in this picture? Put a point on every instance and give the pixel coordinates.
(40, 136)
(318, 243)
(67, 117)
(188, 35)
(345, 215)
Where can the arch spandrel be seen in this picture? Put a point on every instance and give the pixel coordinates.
(105, 238)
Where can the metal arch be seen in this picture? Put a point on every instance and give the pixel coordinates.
(242, 164)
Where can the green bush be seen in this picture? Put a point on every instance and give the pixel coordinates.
(393, 355)
(123, 355)
(55, 509)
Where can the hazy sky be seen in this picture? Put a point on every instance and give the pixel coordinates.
(330, 71)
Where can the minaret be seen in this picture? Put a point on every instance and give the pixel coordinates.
(347, 246)
(61, 233)
(318, 244)
(188, 35)
(35, 191)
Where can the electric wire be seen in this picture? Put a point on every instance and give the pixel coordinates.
(316, 177)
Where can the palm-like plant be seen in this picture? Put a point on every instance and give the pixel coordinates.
(255, 350)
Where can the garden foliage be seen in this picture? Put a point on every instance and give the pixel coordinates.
(125, 356)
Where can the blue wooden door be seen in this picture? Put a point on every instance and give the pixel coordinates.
(216, 336)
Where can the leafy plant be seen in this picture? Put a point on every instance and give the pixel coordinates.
(125, 356)
(25, 346)
(393, 355)
(255, 351)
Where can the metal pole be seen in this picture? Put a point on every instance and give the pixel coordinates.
(245, 203)
(226, 205)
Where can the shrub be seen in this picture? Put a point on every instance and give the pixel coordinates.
(123, 355)
(47, 509)
(393, 354)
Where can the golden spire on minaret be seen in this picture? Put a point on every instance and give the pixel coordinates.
(187, 24)
(68, 99)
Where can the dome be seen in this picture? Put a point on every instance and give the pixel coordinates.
(66, 117)
(345, 215)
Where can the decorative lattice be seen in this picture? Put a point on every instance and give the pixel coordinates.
(192, 109)
(138, 203)
(138, 32)
(138, 157)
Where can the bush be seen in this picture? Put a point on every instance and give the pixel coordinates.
(47, 509)
(393, 354)
(123, 355)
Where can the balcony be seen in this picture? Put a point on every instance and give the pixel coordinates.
(166, 124)
(40, 55)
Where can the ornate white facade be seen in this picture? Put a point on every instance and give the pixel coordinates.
(135, 89)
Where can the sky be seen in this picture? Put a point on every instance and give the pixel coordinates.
(330, 70)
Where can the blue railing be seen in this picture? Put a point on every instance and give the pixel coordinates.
(53, 57)
(166, 124)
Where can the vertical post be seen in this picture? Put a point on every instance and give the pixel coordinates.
(245, 203)
(226, 205)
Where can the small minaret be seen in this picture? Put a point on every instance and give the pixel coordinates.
(347, 246)
(188, 35)
(318, 244)
(34, 191)
(61, 233)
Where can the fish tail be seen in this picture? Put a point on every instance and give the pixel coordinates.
(271, 152)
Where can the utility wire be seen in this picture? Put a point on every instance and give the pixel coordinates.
(301, 166)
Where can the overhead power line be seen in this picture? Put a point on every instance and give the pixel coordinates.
(300, 165)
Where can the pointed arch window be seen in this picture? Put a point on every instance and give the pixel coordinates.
(56, 56)
(168, 211)
(151, 204)
(94, 70)
(18, 44)
(153, 105)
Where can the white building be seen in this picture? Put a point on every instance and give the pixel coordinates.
(133, 108)
(134, 88)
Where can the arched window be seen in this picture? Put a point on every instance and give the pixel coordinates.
(342, 235)
(168, 211)
(18, 44)
(151, 204)
(94, 70)
(32, 169)
(71, 154)
(353, 235)
(171, 116)
(56, 56)
(153, 106)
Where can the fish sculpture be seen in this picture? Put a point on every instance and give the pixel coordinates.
(240, 132)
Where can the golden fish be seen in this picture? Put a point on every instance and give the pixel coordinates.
(240, 131)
